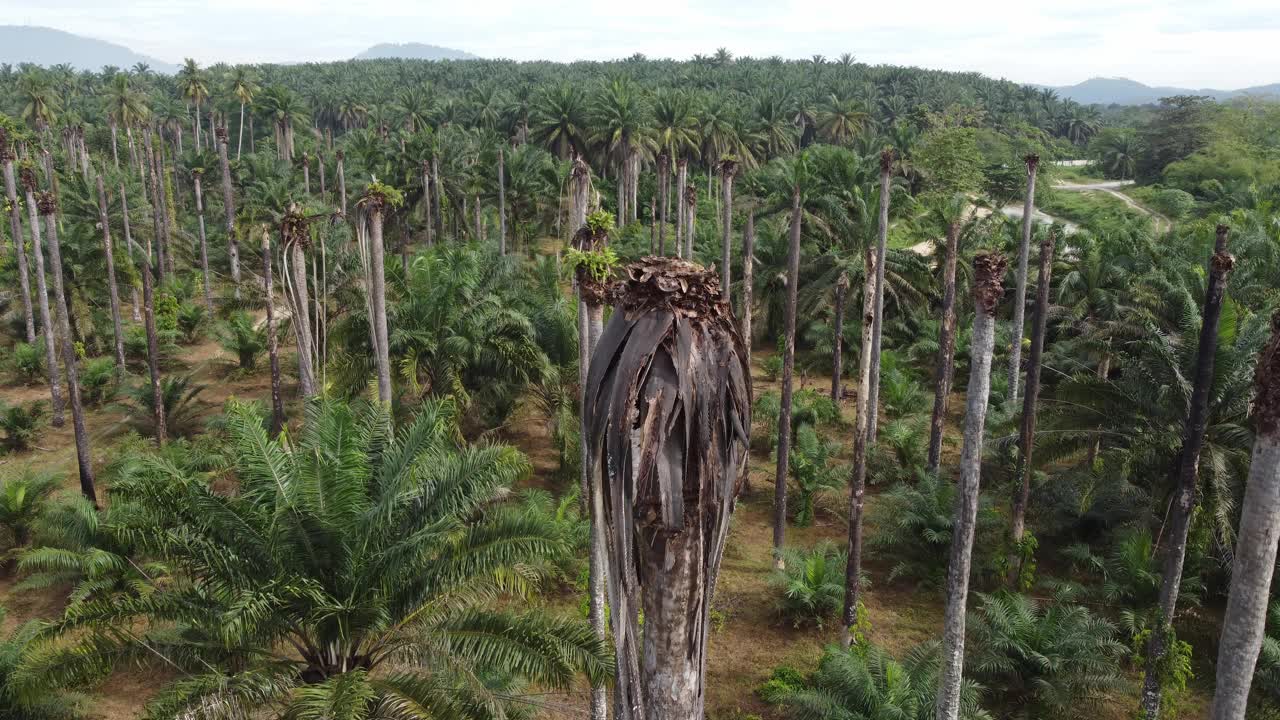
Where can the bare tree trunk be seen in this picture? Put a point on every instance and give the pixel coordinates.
(134, 301)
(727, 169)
(748, 276)
(1027, 432)
(324, 191)
(1020, 293)
(989, 273)
(837, 337)
(379, 292)
(502, 203)
(273, 346)
(48, 206)
(877, 327)
(1255, 555)
(19, 246)
(788, 368)
(664, 185)
(114, 292)
(691, 203)
(301, 318)
(682, 175)
(342, 184)
(435, 197)
(157, 204)
(204, 246)
(1187, 476)
(253, 145)
(858, 475)
(229, 207)
(47, 318)
(946, 349)
(306, 173)
(149, 308)
(426, 202)
(115, 145)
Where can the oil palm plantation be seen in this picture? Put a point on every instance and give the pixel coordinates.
(349, 576)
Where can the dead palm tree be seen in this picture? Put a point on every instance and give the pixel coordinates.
(1255, 555)
(229, 208)
(727, 169)
(669, 439)
(988, 272)
(374, 203)
(1186, 474)
(1020, 293)
(295, 238)
(15, 230)
(48, 205)
(1031, 396)
(27, 175)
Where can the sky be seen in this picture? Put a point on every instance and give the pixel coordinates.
(1226, 44)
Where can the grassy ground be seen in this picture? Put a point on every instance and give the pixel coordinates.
(749, 640)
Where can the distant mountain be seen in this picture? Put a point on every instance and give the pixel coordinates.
(1123, 91)
(413, 51)
(48, 47)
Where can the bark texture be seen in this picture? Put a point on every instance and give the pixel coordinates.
(668, 409)
(1187, 473)
(989, 272)
(945, 366)
(1255, 555)
(1020, 291)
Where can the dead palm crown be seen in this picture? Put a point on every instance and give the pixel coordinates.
(667, 408)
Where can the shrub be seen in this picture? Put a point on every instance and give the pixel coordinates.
(772, 367)
(28, 361)
(23, 499)
(865, 681)
(239, 336)
(190, 319)
(811, 588)
(915, 524)
(811, 471)
(783, 682)
(178, 395)
(21, 424)
(135, 344)
(1042, 660)
(98, 380)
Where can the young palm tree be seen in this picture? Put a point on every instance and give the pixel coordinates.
(48, 205)
(229, 208)
(15, 232)
(989, 275)
(1020, 293)
(113, 291)
(372, 591)
(1031, 396)
(671, 490)
(1187, 473)
(1255, 552)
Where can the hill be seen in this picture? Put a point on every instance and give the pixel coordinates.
(48, 47)
(413, 51)
(1123, 91)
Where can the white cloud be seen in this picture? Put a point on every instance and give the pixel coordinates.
(1226, 44)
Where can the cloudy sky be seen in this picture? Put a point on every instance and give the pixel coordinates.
(1225, 44)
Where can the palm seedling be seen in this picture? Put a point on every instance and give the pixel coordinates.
(21, 424)
(241, 337)
(23, 499)
(810, 588)
(178, 395)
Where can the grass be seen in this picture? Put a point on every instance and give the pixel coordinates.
(1088, 209)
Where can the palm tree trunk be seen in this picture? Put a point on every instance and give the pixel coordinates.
(19, 245)
(479, 222)
(157, 205)
(229, 209)
(114, 292)
(946, 349)
(727, 168)
(342, 183)
(324, 191)
(748, 276)
(47, 318)
(837, 337)
(858, 475)
(379, 291)
(426, 202)
(788, 368)
(877, 327)
(204, 246)
(273, 345)
(1255, 555)
(48, 206)
(1095, 445)
(502, 204)
(196, 123)
(989, 272)
(240, 133)
(1027, 432)
(115, 146)
(253, 145)
(301, 318)
(435, 196)
(664, 185)
(635, 185)
(1187, 473)
(691, 201)
(306, 173)
(136, 309)
(1020, 293)
(682, 174)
